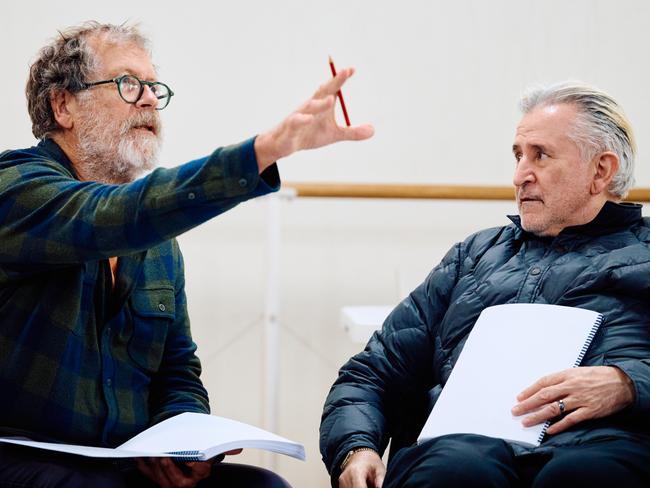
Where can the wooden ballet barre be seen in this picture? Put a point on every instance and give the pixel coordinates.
(441, 192)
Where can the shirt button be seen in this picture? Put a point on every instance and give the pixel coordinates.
(109, 382)
(535, 271)
(161, 307)
(243, 182)
(191, 196)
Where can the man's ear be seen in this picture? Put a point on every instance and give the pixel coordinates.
(605, 168)
(63, 104)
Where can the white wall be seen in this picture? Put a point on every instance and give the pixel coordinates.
(439, 80)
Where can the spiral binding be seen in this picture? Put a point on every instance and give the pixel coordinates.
(187, 456)
(578, 361)
(587, 343)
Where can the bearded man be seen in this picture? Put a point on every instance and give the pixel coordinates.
(95, 344)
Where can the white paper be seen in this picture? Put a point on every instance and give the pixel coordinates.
(200, 432)
(207, 435)
(510, 347)
(89, 451)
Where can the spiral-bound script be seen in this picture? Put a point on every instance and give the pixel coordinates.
(510, 347)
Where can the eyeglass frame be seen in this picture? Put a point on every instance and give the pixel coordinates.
(143, 83)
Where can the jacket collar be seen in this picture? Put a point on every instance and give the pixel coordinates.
(611, 218)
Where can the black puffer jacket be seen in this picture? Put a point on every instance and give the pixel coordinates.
(387, 390)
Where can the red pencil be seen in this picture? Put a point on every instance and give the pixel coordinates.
(340, 95)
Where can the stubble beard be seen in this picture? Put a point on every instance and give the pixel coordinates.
(113, 151)
(568, 210)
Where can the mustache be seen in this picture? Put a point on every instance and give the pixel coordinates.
(527, 195)
(151, 120)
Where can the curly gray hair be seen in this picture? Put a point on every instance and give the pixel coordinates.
(601, 125)
(66, 64)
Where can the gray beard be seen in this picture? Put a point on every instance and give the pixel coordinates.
(110, 152)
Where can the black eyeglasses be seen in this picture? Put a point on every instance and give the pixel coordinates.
(131, 89)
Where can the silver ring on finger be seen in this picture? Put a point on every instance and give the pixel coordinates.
(561, 406)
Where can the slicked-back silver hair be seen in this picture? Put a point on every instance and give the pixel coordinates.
(66, 63)
(601, 125)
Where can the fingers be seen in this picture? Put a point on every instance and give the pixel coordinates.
(317, 105)
(545, 381)
(549, 411)
(196, 471)
(167, 473)
(174, 474)
(542, 401)
(586, 392)
(312, 126)
(357, 133)
(569, 421)
(151, 468)
(334, 84)
(299, 121)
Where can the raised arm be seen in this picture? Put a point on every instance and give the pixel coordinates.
(49, 217)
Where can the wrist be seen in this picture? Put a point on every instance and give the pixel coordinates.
(351, 453)
(264, 153)
(628, 386)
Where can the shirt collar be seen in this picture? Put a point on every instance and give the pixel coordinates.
(53, 151)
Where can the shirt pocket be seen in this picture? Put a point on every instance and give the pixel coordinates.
(153, 312)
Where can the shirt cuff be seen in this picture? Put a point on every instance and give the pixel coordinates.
(241, 170)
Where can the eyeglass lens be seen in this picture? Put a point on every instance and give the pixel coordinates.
(131, 89)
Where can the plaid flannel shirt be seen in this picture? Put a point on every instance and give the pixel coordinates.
(80, 362)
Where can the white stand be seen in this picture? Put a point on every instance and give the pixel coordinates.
(271, 320)
(361, 321)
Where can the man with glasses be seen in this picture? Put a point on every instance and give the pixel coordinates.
(95, 344)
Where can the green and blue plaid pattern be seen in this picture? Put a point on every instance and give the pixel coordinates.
(79, 362)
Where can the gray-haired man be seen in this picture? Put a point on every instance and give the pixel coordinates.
(571, 244)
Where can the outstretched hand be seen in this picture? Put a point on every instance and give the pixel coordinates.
(586, 393)
(311, 126)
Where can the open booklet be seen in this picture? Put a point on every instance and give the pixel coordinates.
(188, 436)
(510, 347)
